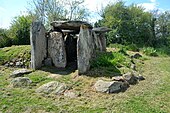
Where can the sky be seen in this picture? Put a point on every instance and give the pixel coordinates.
(11, 8)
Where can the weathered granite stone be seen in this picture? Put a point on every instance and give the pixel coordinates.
(97, 42)
(20, 73)
(52, 87)
(85, 49)
(70, 25)
(101, 29)
(100, 41)
(108, 86)
(38, 44)
(56, 49)
(20, 82)
(130, 78)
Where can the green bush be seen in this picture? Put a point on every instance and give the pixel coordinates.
(150, 51)
(132, 47)
(108, 59)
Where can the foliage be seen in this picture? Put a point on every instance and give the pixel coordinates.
(19, 31)
(150, 51)
(162, 29)
(132, 47)
(4, 39)
(108, 59)
(52, 10)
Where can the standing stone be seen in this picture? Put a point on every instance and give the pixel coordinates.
(38, 44)
(98, 45)
(85, 49)
(56, 49)
(103, 41)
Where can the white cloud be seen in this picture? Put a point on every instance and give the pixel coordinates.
(148, 6)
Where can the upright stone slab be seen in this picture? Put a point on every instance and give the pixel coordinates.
(103, 41)
(56, 49)
(85, 49)
(38, 44)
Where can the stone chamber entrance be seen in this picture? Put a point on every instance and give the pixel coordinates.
(68, 44)
(71, 50)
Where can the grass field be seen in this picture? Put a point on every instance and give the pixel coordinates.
(149, 96)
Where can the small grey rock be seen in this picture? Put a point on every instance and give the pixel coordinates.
(70, 94)
(140, 78)
(20, 82)
(130, 78)
(108, 86)
(52, 87)
(20, 73)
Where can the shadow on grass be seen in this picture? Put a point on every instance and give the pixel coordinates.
(104, 72)
(70, 68)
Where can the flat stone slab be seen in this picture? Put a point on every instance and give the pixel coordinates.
(101, 29)
(19, 73)
(70, 25)
(52, 87)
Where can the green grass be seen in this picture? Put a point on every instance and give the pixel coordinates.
(149, 96)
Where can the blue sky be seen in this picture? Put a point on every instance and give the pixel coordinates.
(11, 8)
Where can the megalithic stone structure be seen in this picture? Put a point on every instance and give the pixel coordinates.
(56, 49)
(38, 44)
(85, 48)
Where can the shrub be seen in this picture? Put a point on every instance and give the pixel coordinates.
(150, 51)
(108, 59)
(132, 47)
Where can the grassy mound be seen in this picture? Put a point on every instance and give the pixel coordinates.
(13, 53)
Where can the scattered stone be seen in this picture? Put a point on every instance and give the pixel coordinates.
(133, 66)
(118, 78)
(70, 94)
(20, 82)
(130, 78)
(18, 64)
(140, 78)
(20, 73)
(6, 65)
(48, 62)
(53, 87)
(108, 86)
(11, 64)
(137, 55)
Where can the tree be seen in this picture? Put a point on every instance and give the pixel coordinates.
(4, 39)
(19, 30)
(163, 28)
(130, 24)
(52, 10)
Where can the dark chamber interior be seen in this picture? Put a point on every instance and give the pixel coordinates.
(71, 50)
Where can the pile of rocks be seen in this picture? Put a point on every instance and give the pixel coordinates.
(18, 79)
(19, 63)
(118, 83)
